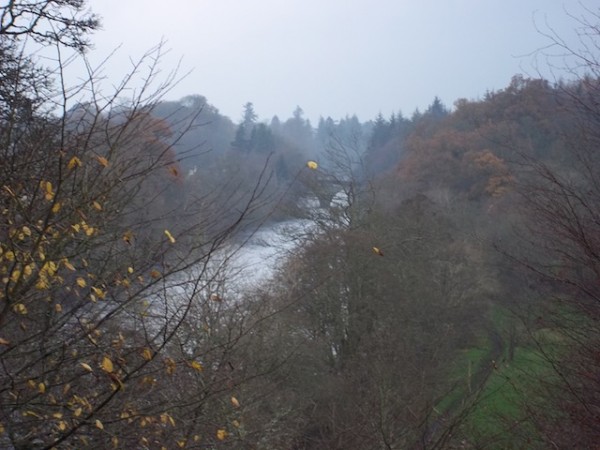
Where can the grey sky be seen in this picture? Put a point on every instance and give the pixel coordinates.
(333, 57)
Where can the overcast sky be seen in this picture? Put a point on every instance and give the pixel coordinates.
(333, 57)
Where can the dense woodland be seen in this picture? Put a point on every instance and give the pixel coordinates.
(445, 294)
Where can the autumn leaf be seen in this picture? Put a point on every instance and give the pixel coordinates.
(20, 308)
(107, 365)
(56, 207)
(4, 342)
(173, 171)
(127, 237)
(14, 277)
(165, 418)
(81, 282)
(377, 251)
(221, 434)
(235, 402)
(73, 163)
(97, 205)
(48, 189)
(170, 236)
(41, 388)
(99, 424)
(86, 367)
(147, 354)
(312, 165)
(99, 292)
(196, 366)
(155, 274)
(170, 366)
(102, 160)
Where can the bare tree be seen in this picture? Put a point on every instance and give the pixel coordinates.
(115, 324)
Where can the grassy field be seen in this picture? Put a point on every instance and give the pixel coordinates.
(491, 386)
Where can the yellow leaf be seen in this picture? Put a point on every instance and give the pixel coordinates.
(46, 186)
(77, 412)
(41, 388)
(89, 231)
(76, 227)
(27, 270)
(235, 402)
(312, 165)
(58, 308)
(20, 308)
(99, 425)
(56, 207)
(130, 270)
(86, 367)
(102, 160)
(99, 292)
(1, 429)
(236, 423)
(147, 354)
(115, 441)
(26, 231)
(107, 364)
(73, 163)
(221, 434)
(62, 425)
(377, 251)
(10, 256)
(69, 266)
(170, 365)
(57, 415)
(196, 366)
(181, 443)
(97, 205)
(42, 283)
(14, 277)
(170, 236)
(4, 342)
(81, 282)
